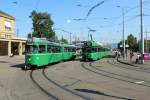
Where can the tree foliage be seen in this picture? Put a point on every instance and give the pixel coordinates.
(63, 40)
(42, 25)
(147, 45)
(132, 42)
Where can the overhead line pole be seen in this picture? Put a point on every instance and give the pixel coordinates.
(123, 33)
(142, 36)
(123, 43)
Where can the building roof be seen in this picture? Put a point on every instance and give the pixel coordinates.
(3, 14)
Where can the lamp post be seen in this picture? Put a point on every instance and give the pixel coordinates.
(123, 34)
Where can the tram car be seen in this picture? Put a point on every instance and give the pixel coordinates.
(93, 50)
(41, 52)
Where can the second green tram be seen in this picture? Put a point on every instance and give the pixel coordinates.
(40, 52)
(92, 50)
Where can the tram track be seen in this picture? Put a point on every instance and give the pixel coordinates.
(137, 68)
(84, 67)
(51, 96)
(120, 75)
(75, 93)
(115, 76)
(62, 87)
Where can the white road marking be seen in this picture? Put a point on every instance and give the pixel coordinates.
(139, 82)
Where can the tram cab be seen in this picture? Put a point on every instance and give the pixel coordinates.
(35, 49)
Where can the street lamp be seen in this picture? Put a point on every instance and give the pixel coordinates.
(123, 43)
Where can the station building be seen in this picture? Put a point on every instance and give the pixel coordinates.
(9, 43)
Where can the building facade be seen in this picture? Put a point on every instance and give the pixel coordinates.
(9, 43)
(7, 26)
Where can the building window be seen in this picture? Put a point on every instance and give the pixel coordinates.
(7, 26)
(7, 36)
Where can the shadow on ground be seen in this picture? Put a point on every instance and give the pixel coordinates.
(3, 62)
(100, 93)
(18, 65)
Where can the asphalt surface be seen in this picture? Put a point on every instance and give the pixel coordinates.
(105, 79)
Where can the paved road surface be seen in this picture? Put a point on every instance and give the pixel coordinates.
(105, 79)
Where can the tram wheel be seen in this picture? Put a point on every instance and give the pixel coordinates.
(27, 67)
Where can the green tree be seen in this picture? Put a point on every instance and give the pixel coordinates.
(42, 25)
(63, 40)
(119, 44)
(132, 42)
(147, 45)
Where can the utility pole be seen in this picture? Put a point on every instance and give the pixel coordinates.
(123, 36)
(70, 38)
(142, 37)
(123, 33)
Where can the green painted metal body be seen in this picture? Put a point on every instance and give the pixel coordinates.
(68, 52)
(38, 59)
(94, 51)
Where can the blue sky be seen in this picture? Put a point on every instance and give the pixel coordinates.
(105, 19)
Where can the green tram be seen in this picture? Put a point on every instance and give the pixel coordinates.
(40, 52)
(92, 51)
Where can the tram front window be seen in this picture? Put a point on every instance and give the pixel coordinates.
(31, 49)
(41, 48)
(87, 50)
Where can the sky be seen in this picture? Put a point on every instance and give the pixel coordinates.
(106, 19)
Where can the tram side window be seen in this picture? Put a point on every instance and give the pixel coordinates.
(53, 49)
(41, 48)
(69, 49)
(73, 50)
(99, 49)
(89, 50)
(66, 49)
(103, 49)
(49, 49)
(56, 49)
(94, 50)
(31, 49)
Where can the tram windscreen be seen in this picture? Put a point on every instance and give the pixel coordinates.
(31, 49)
(87, 50)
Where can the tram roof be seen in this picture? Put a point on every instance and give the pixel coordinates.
(69, 45)
(93, 43)
(45, 41)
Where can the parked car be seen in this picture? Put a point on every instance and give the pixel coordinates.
(146, 56)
